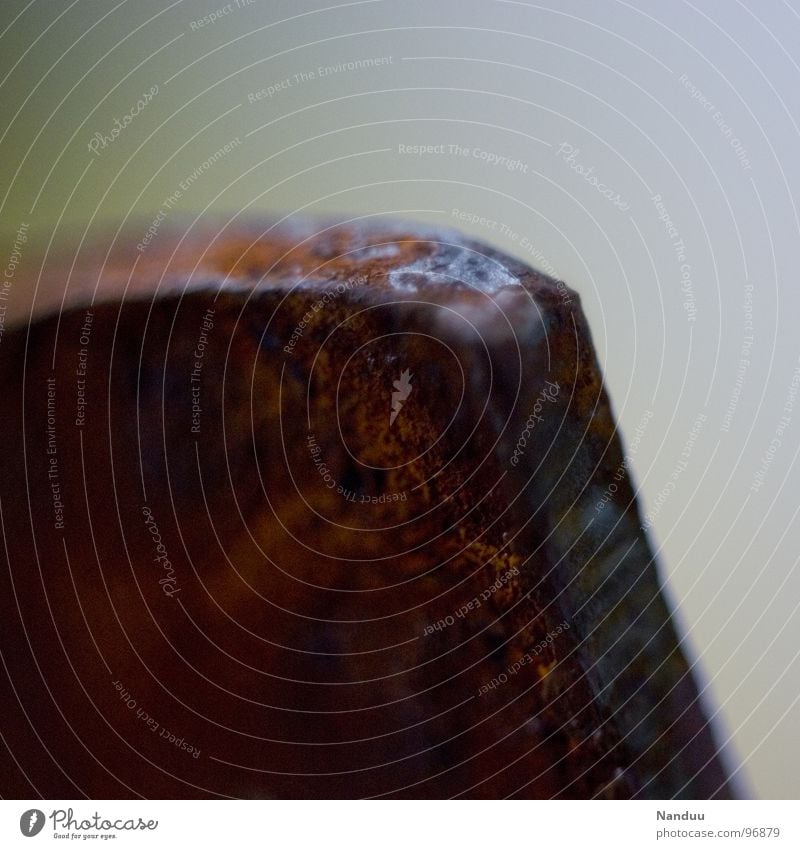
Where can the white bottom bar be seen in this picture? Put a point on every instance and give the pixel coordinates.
(401, 825)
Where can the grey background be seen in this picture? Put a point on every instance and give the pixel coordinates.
(518, 80)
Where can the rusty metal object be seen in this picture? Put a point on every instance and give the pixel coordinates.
(318, 520)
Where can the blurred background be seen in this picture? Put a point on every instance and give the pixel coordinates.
(644, 152)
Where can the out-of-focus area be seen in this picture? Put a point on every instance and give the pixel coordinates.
(646, 153)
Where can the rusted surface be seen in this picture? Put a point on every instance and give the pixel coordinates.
(362, 590)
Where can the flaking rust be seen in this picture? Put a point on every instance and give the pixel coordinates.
(375, 490)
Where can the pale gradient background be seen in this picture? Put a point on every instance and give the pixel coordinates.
(515, 79)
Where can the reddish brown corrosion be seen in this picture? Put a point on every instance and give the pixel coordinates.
(306, 639)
